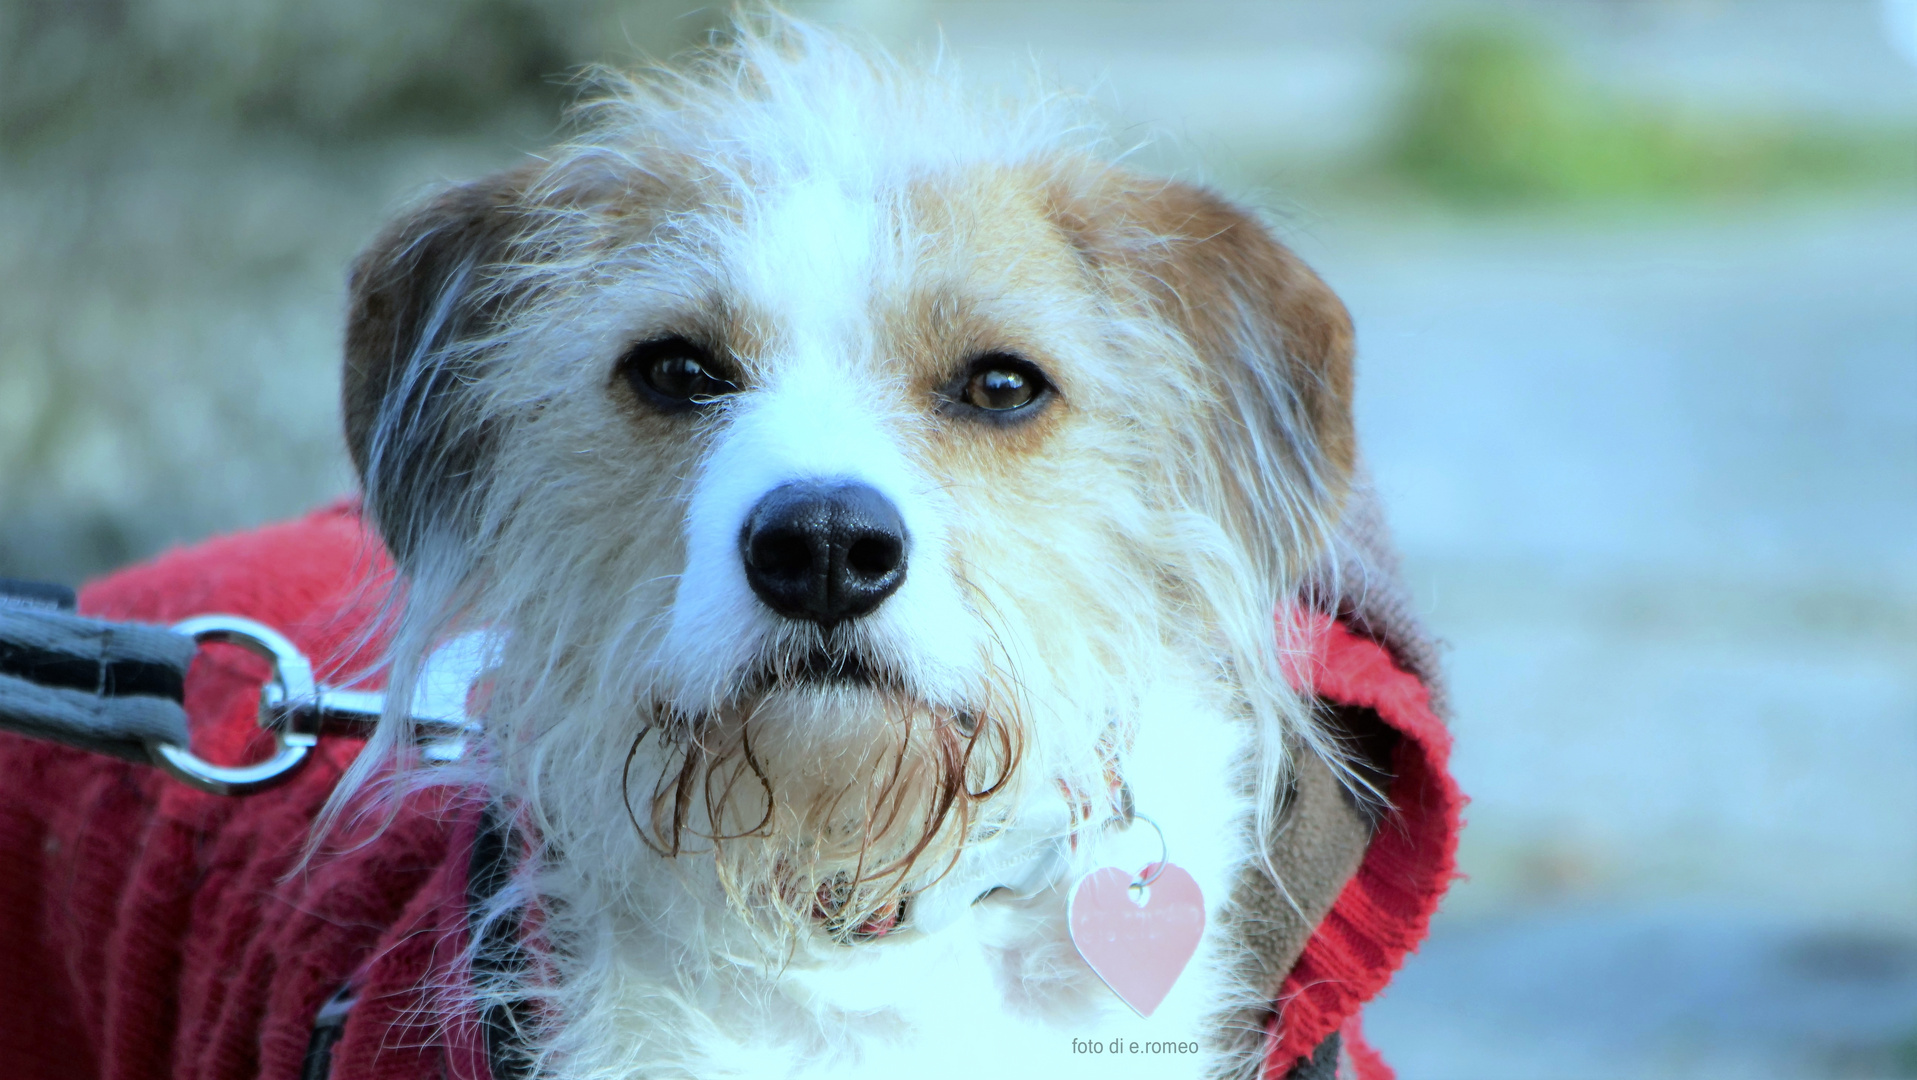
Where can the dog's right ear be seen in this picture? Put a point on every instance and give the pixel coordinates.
(1274, 345)
(419, 296)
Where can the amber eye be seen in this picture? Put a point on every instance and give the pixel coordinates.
(1001, 383)
(674, 373)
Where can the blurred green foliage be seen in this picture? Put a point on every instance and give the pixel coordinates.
(1494, 114)
(1903, 1057)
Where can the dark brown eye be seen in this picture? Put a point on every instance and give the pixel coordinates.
(1001, 383)
(675, 373)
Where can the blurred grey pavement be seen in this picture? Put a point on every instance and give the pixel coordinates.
(1658, 489)
(1652, 460)
(1695, 992)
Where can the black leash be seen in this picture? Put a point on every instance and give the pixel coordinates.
(119, 689)
(36, 594)
(106, 687)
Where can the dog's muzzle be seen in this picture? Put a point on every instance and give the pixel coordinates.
(824, 552)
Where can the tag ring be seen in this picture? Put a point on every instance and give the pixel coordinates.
(1164, 852)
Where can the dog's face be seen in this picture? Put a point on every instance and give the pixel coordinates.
(838, 497)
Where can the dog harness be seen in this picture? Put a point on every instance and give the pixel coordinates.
(153, 929)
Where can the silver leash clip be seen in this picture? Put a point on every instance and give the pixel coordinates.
(297, 708)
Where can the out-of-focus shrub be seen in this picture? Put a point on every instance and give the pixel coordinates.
(1494, 113)
(320, 68)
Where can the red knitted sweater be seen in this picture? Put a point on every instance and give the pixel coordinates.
(149, 930)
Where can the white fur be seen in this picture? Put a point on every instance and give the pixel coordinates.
(806, 427)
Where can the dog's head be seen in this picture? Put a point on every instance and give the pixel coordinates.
(841, 460)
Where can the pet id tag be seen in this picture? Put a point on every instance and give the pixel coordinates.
(1138, 931)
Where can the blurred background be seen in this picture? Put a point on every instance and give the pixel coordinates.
(1636, 290)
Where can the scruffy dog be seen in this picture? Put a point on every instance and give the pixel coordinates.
(880, 501)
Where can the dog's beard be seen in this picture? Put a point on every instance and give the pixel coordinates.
(825, 790)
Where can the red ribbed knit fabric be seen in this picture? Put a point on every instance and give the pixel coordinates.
(1385, 910)
(148, 930)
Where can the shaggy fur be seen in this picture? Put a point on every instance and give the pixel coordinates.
(759, 843)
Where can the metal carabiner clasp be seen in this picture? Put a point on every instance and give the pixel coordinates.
(298, 709)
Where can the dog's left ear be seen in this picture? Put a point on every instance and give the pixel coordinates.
(1273, 341)
(418, 295)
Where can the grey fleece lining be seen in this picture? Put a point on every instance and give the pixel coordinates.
(1324, 833)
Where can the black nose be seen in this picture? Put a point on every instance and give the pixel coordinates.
(823, 552)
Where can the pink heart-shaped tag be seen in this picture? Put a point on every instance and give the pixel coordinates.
(1138, 949)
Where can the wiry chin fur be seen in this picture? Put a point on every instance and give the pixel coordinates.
(724, 802)
(819, 804)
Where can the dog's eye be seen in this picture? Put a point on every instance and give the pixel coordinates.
(675, 373)
(1002, 383)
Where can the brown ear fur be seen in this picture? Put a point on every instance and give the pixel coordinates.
(415, 293)
(1276, 341)
(1234, 270)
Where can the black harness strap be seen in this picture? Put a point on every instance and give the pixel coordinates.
(500, 958)
(329, 1027)
(1323, 1062)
